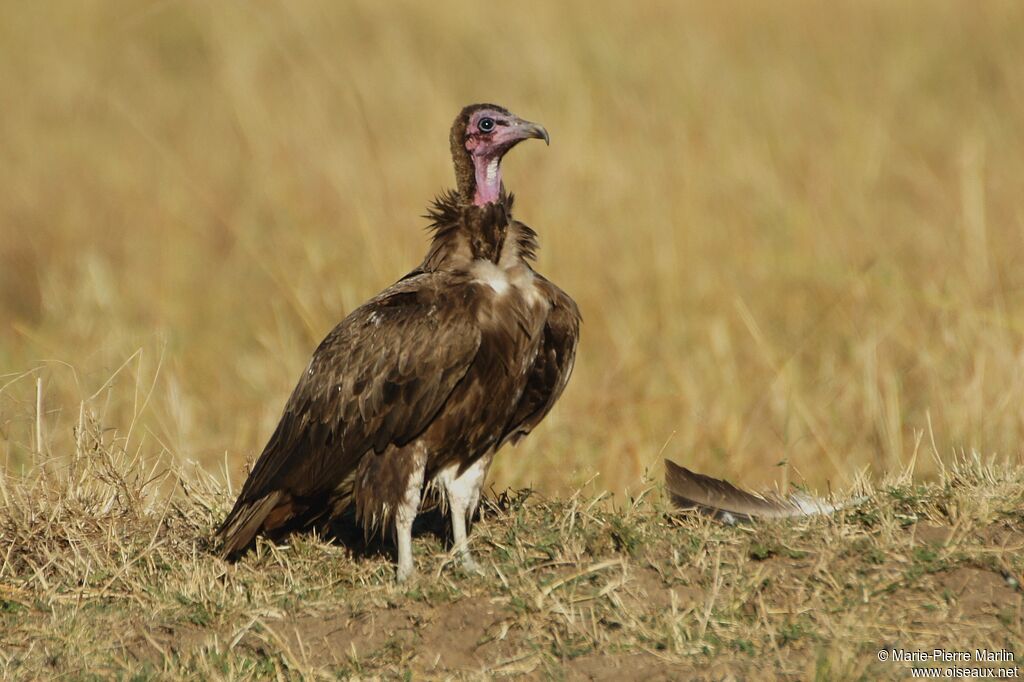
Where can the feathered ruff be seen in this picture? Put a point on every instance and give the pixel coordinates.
(482, 229)
(444, 211)
(729, 504)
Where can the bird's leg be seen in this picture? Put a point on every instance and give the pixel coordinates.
(405, 514)
(460, 511)
(403, 529)
(463, 493)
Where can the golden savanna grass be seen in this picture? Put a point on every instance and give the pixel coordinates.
(101, 577)
(795, 230)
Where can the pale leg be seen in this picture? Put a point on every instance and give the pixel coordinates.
(462, 494)
(405, 514)
(460, 513)
(403, 529)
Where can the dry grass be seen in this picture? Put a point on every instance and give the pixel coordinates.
(794, 230)
(103, 576)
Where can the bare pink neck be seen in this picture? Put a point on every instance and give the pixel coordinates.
(488, 180)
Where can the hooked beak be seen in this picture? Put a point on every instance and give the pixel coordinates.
(526, 129)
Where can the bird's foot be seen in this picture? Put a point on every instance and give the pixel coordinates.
(406, 573)
(469, 565)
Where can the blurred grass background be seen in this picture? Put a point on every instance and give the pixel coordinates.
(795, 229)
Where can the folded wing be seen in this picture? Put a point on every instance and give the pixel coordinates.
(378, 379)
(553, 365)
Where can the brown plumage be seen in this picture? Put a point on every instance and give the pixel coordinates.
(422, 384)
(726, 502)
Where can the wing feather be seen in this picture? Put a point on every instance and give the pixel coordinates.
(726, 502)
(379, 378)
(553, 365)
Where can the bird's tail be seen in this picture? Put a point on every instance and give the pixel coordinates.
(726, 502)
(239, 530)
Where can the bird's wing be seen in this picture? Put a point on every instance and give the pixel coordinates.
(379, 378)
(551, 370)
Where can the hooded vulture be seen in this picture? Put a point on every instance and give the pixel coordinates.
(419, 387)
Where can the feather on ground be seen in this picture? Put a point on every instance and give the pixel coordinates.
(729, 504)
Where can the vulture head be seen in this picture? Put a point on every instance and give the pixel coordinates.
(481, 135)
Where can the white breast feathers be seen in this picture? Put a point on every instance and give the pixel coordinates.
(490, 274)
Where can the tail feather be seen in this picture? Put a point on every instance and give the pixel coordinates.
(726, 502)
(246, 520)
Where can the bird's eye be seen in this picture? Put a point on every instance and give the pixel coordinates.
(486, 125)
